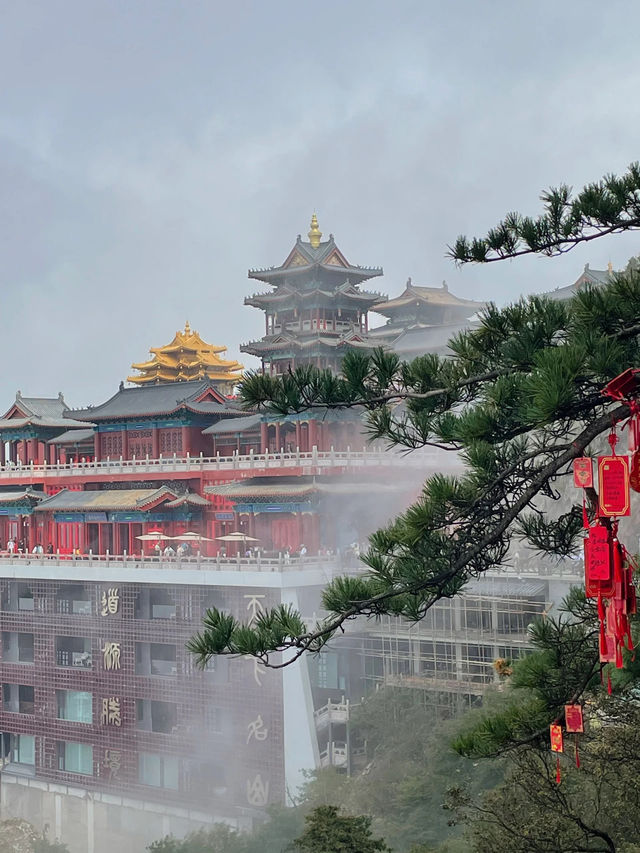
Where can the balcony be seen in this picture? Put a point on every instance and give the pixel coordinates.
(333, 713)
(334, 755)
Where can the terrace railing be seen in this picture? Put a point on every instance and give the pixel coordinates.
(329, 565)
(237, 462)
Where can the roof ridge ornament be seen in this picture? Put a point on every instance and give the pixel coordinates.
(315, 234)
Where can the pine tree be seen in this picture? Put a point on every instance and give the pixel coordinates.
(519, 399)
(329, 831)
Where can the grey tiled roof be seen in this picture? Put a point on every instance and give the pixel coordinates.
(43, 407)
(160, 399)
(73, 436)
(36, 420)
(233, 425)
(106, 499)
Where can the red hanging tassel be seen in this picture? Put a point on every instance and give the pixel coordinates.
(609, 688)
(577, 753)
(558, 777)
(585, 515)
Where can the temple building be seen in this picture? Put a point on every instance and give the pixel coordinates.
(587, 278)
(186, 358)
(423, 319)
(161, 419)
(30, 425)
(316, 310)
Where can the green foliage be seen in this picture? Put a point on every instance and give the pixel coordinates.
(219, 839)
(604, 207)
(520, 399)
(563, 667)
(329, 831)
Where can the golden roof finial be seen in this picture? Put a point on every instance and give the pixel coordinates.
(609, 267)
(315, 234)
(187, 328)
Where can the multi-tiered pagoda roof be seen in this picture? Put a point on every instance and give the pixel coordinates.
(317, 309)
(423, 319)
(186, 358)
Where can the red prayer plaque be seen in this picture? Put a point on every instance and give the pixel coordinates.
(613, 480)
(599, 554)
(574, 722)
(634, 476)
(583, 473)
(555, 732)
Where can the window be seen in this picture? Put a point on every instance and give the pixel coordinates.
(73, 598)
(75, 757)
(159, 771)
(152, 716)
(155, 604)
(327, 669)
(75, 706)
(18, 698)
(213, 718)
(73, 651)
(17, 648)
(24, 749)
(155, 659)
(19, 597)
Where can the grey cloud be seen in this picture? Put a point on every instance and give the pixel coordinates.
(151, 152)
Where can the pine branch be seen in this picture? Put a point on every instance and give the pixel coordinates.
(609, 206)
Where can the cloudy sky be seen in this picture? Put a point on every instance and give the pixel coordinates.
(151, 152)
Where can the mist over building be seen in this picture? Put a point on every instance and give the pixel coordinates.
(122, 523)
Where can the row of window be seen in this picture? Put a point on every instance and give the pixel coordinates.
(76, 706)
(78, 600)
(157, 771)
(151, 658)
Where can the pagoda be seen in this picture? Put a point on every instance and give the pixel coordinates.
(186, 358)
(316, 311)
(428, 316)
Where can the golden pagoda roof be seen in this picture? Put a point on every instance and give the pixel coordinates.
(186, 357)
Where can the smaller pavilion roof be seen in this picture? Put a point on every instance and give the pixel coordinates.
(436, 296)
(107, 499)
(264, 487)
(231, 426)
(73, 436)
(44, 412)
(588, 277)
(256, 488)
(24, 496)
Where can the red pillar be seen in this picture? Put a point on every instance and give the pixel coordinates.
(2, 453)
(264, 437)
(96, 446)
(298, 435)
(186, 440)
(31, 541)
(313, 434)
(125, 444)
(278, 439)
(155, 443)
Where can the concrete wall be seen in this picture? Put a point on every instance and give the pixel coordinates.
(92, 822)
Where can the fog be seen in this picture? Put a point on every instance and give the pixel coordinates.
(151, 152)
